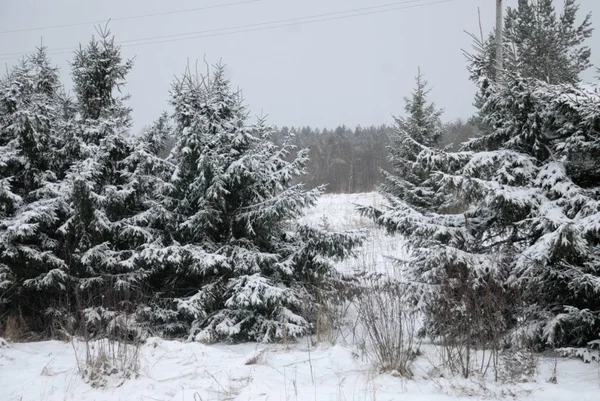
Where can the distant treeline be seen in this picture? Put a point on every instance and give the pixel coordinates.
(350, 160)
(347, 160)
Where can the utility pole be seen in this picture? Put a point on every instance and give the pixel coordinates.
(499, 34)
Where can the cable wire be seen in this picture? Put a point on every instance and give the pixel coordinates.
(276, 21)
(127, 44)
(129, 18)
(236, 29)
(233, 27)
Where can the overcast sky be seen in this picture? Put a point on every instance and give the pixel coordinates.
(350, 70)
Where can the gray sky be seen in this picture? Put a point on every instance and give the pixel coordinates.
(339, 71)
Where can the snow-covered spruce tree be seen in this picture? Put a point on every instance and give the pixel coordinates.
(148, 189)
(545, 45)
(451, 274)
(548, 201)
(421, 126)
(101, 236)
(31, 207)
(237, 266)
(539, 43)
(525, 219)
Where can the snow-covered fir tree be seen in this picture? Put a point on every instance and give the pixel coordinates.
(420, 126)
(101, 236)
(519, 115)
(148, 188)
(236, 266)
(520, 218)
(31, 205)
(546, 201)
(451, 274)
(545, 45)
(537, 43)
(540, 43)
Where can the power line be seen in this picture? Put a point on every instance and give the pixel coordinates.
(275, 22)
(256, 27)
(129, 18)
(262, 28)
(237, 27)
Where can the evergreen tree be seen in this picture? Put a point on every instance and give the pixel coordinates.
(99, 71)
(452, 274)
(148, 190)
(521, 218)
(235, 267)
(31, 206)
(539, 43)
(146, 180)
(545, 45)
(547, 202)
(101, 236)
(421, 127)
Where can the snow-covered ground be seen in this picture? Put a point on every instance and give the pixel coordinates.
(338, 211)
(173, 370)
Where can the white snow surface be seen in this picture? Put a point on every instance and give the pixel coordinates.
(191, 371)
(338, 211)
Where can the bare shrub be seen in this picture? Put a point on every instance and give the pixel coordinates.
(111, 335)
(63, 324)
(554, 377)
(470, 314)
(517, 365)
(107, 359)
(15, 328)
(330, 313)
(390, 327)
(324, 324)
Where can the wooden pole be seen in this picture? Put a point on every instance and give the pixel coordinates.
(499, 34)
